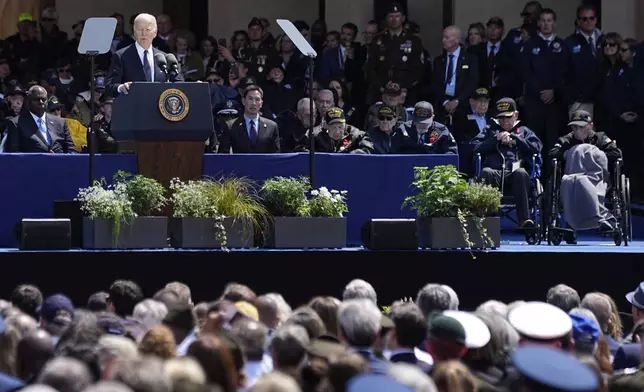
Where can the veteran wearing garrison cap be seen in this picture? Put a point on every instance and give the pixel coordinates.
(338, 137)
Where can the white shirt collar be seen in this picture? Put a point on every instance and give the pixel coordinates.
(549, 39)
(456, 53)
(254, 119)
(491, 45)
(36, 118)
(140, 50)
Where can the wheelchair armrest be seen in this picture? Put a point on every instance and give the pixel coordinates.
(533, 166)
(478, 164)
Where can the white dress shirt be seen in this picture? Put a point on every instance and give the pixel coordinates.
(450, 86)
(140, 50)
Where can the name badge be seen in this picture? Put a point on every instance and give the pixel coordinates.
(471, 117)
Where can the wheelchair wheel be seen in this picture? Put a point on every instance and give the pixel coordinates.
(617, 236)
(554, 237)
(532, 238)
(626, 221)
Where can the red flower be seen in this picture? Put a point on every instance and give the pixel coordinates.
(345, 142)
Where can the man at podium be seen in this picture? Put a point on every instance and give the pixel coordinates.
(135, 63)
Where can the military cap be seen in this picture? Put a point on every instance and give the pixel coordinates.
(539, 320)
(334, 115)
(481, 93)
(580, 118)
(554, 369)
(394, 8)
(423, 112)
(392, 88)
(385, 110)
(443, 327)
(477, 334)
(53, 103)
(323, 348)
(506, 107)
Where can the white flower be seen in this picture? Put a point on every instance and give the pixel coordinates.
(334, 192)
(315, 193)
(343, 193)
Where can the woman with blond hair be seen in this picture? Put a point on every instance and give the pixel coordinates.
(453, 376)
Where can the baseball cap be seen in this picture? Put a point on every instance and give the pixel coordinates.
(423, 112)
(57, 308)
(385, 110)
(481, 93)
(539, 320)
(53, 103)
(334, 115)
(554, 369)
(247, 310)
(230, 107)
(506, 107)
(580, 118)
(477, 334)
(584, 330)
(25, 17)
(446, 328)
(97, 301)
(391, 88)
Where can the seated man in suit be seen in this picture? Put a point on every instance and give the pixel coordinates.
(337, 136)
(507, 150)
(135, 63)
(250, 133)
(470, 123)
(423, 135)
(35, 131)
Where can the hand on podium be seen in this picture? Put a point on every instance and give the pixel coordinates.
(124, 88)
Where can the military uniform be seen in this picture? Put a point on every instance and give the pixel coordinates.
(354, 141)
(400, 58)
(259, 60)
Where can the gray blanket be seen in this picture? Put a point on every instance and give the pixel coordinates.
(583, 187)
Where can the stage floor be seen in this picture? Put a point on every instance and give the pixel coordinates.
(513, 244)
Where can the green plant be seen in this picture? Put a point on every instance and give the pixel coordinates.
(440, 192)
(195, 199)
(286, 196)
(145, 194)
(112, 203)
(327, 203)
(238, 198)
(443, 192)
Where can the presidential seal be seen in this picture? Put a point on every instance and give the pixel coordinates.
(174, 105)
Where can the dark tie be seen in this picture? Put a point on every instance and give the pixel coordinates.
(341, 58)
(146, 67)
(591, 42)
(252, 133)
(450, 69)
(490, 64)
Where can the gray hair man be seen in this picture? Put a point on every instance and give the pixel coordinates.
(359, 288)
(433, 298)
(65, 375)
(359, 323)
(288, 348)
(564, 297)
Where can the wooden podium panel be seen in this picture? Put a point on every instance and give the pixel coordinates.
(165, 160)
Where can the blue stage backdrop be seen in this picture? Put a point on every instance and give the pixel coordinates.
(376, 184)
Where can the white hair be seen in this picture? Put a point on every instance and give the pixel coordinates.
(149, 313)
(493, 306)
(65, 374)
(38, 388)
(326, 91)
(359, 288)
(108, 386)
(284, 310)
(184, 369)
(412, 377)
(112, 346)
(275, 381)
(305, 103)
(359, 320)
(140, 18)
(453, 297)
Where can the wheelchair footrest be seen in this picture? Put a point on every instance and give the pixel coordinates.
(528, 230)
(563, 230)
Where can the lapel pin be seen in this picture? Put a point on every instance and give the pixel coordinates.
(265, 125)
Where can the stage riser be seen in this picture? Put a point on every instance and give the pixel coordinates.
(499, 275)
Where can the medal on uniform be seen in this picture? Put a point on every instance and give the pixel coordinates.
(404, 59)
(260, 69)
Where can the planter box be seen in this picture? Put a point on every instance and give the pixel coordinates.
(200, 233)
(308, 232)
(144, 232)
(445, 233)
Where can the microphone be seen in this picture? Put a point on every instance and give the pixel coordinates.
(173, 66)
(162, 63)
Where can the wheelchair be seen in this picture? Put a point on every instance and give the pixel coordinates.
(618, 202)
(533, 235)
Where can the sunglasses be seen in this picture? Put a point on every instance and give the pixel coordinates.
(385, 118)
(588, 19)
(611, 44)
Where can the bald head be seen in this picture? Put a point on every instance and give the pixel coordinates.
(451, 38)
(145, 29)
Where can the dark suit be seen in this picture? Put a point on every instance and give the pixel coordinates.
(627, 356)
(467, 79)
(235, 135)
(332, 68)
(411, 359)
(127, 66)
(23, 135)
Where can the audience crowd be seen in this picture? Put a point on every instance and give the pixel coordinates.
(120, 341)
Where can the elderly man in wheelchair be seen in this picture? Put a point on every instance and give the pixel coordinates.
(508, 154)
(591, 177)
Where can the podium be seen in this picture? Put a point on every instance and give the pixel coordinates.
(168, 124)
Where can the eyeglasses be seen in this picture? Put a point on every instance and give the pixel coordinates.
(385, 118)
(611, 44)
(588, 19)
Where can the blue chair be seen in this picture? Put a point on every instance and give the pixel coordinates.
(536, 234)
